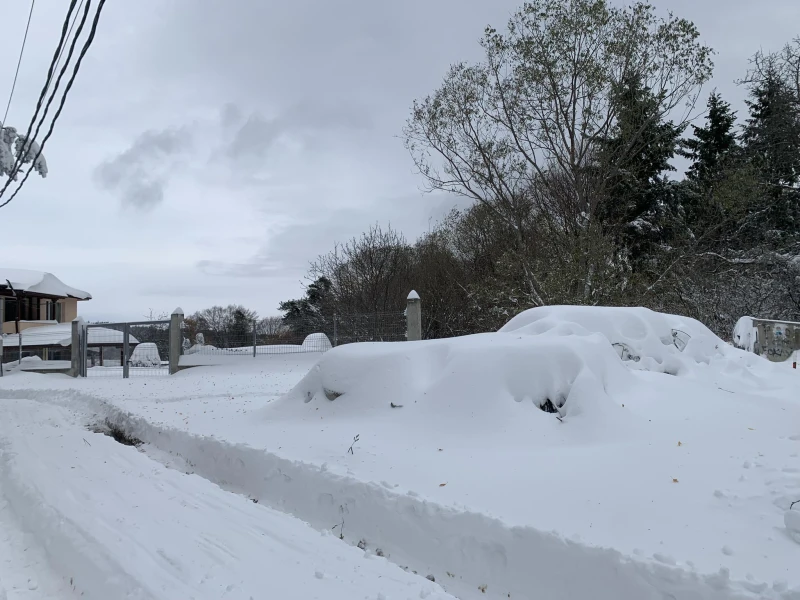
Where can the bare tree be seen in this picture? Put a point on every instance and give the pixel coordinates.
(272, 326)
(369, 274)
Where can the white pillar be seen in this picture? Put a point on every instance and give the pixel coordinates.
(414, 317)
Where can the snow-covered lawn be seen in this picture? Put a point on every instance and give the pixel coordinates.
(668, 474)
(123, 526)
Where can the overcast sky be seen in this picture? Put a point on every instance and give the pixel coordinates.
(211, 148)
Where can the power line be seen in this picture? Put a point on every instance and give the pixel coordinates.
(69, 33)
(18, 162)
(60, 76)
(19, 62)
(71, 81)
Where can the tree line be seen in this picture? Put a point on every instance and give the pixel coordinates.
(565, 136)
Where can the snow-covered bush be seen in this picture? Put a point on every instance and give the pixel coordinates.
(16, 147)
(317, 342)
(145, 355)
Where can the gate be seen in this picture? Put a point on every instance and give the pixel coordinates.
(134, 349)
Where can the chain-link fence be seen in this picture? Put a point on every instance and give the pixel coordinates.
(286, 336)
(37, 348)
(138, 349)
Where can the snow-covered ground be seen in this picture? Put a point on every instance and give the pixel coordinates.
(667, 474)
(116, 524)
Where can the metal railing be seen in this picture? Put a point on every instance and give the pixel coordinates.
(288, 336)
(134, 349)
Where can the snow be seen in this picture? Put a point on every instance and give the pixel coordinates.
(145, 355)
(670, 476)
(413, 295)
(119, 525)
(61, 335)
(792, 521)
(745, 336)
(316, 342)
(202, 354)
(39, 282)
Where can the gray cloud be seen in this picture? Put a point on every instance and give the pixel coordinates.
(303, 121)
(140, 174)
(254, 268)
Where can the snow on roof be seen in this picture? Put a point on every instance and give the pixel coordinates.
(39, 282)
(61, 335)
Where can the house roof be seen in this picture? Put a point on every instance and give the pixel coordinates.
(39, 282)
(61, 335)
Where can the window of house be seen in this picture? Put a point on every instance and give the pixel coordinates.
(54, 311)
(10, 312)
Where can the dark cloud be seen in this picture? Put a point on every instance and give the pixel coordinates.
(140, 173)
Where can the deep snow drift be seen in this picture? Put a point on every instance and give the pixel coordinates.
(666, 476)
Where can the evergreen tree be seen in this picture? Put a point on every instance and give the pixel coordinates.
(242, 324)
(638, 153)
(711, 143)
(308, 314)
(772, 145)
(772, 133)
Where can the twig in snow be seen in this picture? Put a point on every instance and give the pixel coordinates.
(350, 450)
(560, 419)
(87, 443)
(393, 405)
(341, 529)
(793, 503)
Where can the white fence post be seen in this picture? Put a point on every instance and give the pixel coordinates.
(175, 340)
(414, 317)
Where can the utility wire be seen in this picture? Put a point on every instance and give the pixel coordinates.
(19, 62)
(18, 162)
(71, 81)
(58, 79)
(69, 33)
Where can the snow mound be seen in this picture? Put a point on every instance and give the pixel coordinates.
(317, 342)
(145, 355)
(473, 380)
(745, 336)
(644, 339)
